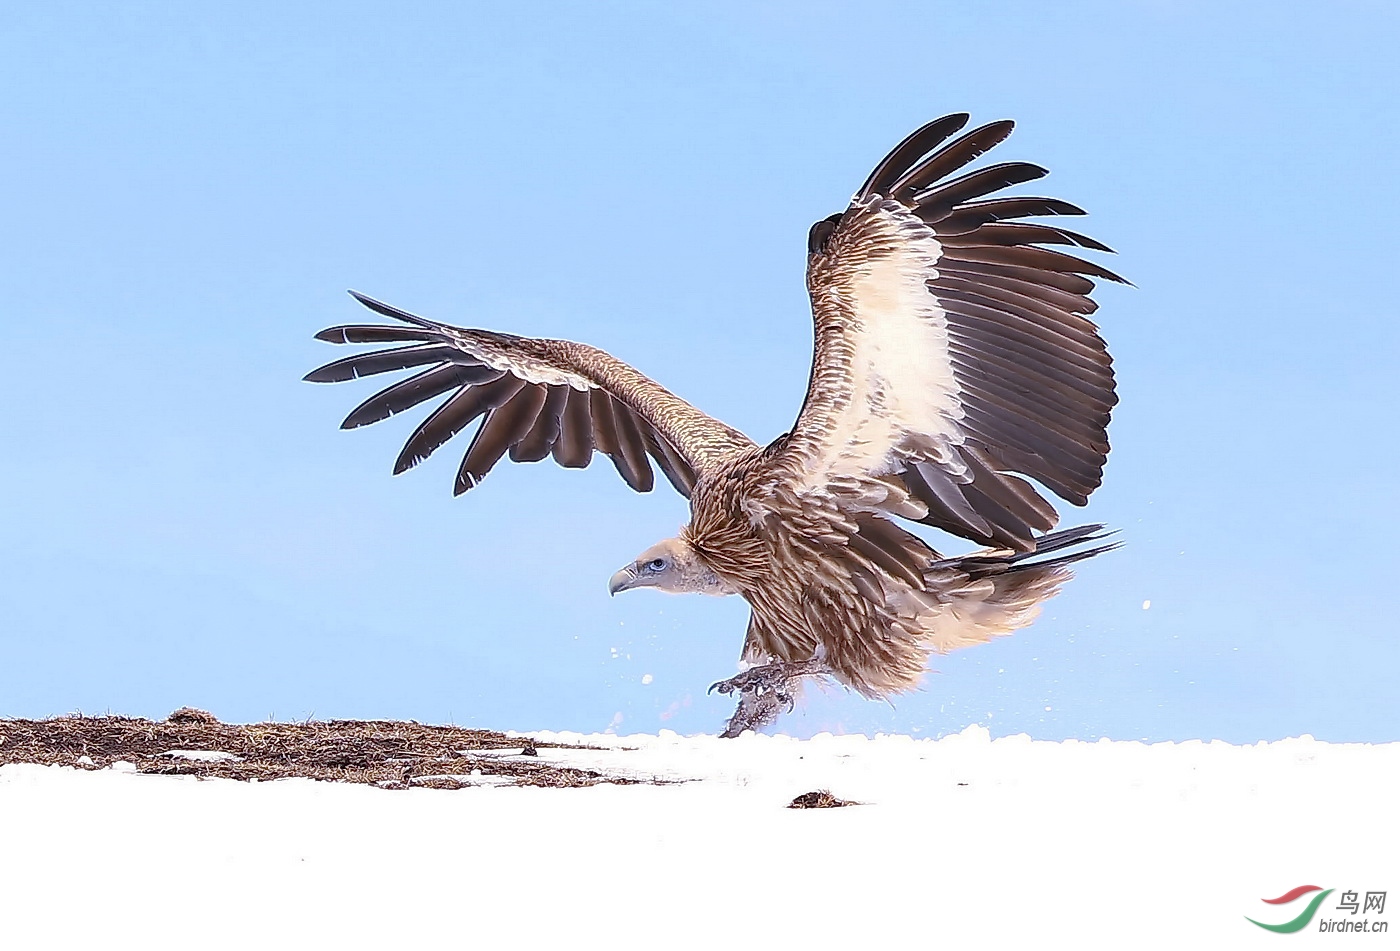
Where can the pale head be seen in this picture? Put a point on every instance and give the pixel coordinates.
(671, 566)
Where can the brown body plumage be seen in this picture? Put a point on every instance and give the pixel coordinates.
(951, 351)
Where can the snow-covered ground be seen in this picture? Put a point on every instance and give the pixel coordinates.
(989, 844)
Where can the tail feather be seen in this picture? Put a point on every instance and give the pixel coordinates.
(1069, 536)
(993, 592)
(992, 561)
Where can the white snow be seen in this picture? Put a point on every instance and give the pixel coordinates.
(960, 842)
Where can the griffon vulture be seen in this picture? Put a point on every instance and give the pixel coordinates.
(952, 351)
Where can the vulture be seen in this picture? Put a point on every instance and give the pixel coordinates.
(954, 359)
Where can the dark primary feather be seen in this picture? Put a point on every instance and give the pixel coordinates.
(917, 144)
(976, 184)
(974, 214)
(388, 310)
(380, 361)
(1029, 257)
(1027, 280)
(949, 159)
(458, 412)
(412, 391)
(373, 333)
(1000, 233)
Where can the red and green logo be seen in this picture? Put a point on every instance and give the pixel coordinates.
(1304, 916)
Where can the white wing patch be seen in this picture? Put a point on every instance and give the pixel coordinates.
(903, 400)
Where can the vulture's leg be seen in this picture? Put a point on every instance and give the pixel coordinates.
(755, 711)
(766, 692)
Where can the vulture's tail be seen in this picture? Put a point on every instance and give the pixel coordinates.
(988, 562)
(958, 602)
(993, 592)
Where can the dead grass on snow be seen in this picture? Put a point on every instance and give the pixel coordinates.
(386, 753)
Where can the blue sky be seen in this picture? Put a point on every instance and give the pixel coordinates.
(190, 188)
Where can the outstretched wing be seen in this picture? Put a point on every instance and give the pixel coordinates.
(952, 349)
(536, 397)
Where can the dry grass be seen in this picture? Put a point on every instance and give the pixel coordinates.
(385, 753)
(819, 799)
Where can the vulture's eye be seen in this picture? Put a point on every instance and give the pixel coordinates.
(656, 564)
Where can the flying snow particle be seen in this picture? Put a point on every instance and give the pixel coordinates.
(1146, 604)
(646, 678)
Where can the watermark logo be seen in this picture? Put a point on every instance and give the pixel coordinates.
(1351, 902)
(1305, 916)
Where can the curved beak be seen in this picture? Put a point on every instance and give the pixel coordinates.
(624, 579)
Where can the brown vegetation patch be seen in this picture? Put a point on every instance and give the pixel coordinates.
(386, 753)
(819, 799)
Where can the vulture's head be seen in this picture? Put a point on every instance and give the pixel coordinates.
(671, 566)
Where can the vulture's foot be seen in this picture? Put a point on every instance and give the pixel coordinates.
(765, 692)
(755, 711)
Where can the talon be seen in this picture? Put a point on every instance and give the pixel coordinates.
(743, 682)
